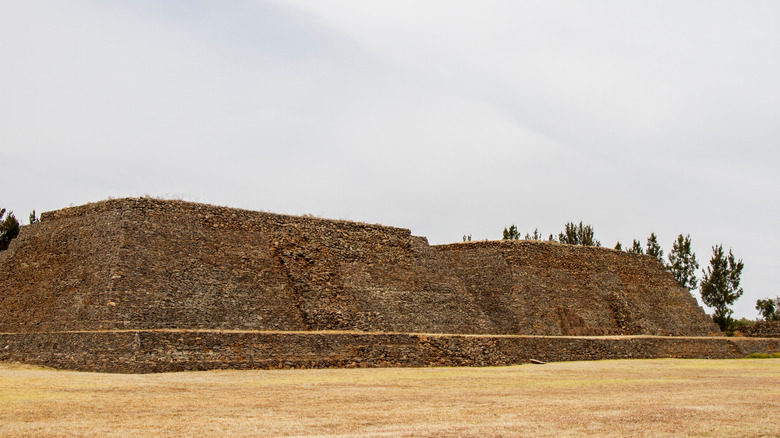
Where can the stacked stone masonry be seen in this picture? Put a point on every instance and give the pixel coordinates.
(765, 329)
(191, 350)
(152, 267)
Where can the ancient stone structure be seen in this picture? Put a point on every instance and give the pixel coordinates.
(143, 351)
(765, 329)
(136, 285)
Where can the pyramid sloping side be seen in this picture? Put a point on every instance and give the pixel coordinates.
(193, 266)
(542, 288)
(56, 274)
(151, 264)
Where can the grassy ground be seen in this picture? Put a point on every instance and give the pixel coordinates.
(663, 397)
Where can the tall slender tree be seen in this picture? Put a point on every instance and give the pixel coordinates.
(682, 262)
(654, 249)
(720, 285)
(511, 233)
(636, 248)
(34, 219)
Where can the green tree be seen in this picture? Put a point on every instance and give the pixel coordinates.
(618, 246)
(535, 236)
(569, 234)
(654, 249)
(769, 309)
(9, 228)
(33, 218)
(682, 262)
(720, 285)
(467, 237)
(636, 248)
(511, 233)
(578, 235)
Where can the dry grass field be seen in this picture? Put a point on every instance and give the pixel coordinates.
(664, 397)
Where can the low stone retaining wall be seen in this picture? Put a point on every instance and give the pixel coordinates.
(149, 351)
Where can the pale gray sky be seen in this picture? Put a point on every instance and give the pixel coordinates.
(445, 117)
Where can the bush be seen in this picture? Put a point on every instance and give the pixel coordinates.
(9, 228)
(763, 356)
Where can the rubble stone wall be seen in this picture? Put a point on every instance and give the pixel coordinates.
(145, 264)
(177, 350)
(765, 329)
(56, 274)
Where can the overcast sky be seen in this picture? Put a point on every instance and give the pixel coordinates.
(445, 117)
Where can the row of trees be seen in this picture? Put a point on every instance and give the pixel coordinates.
(653, 248)
(572, 234)
(720, 282)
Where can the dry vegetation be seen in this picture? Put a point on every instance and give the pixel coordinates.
(607, 398)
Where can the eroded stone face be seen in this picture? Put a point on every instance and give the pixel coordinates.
(765, 329)
(144, 264)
